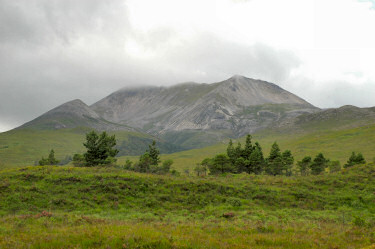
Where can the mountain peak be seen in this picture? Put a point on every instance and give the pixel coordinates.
(75, 107)
(72, 114)
(237, 77)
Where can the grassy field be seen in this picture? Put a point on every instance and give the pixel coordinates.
(67, 207)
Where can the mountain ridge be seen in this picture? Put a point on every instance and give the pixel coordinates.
(194, 114)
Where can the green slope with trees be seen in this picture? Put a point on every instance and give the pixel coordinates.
(335, 144)
(26, 146)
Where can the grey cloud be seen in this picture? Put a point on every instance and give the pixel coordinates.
(40, 22)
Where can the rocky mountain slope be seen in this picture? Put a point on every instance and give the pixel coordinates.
(193, 113)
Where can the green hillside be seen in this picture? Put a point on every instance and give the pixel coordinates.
(25, 146)
(335, 144)
(334, 132)
(65, 207)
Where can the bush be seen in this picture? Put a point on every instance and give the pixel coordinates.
(51, 160)
(359, 221)
(235, 202)
(334, 166)
(78, 160)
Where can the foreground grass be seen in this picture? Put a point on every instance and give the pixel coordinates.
(67, 207)
(69, 231)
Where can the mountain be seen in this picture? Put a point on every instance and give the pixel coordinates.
(194, 115)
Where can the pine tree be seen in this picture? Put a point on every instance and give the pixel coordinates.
(319, 164)
(274, 161)
(231, 152)
(355, 159)
(248, 148)
(256, 161)
(221, 164)
(154, 153)
(241, 165)
(238, 151)
(304, 165)
(145, 161)
(288, 161)
(100, 149)
(360, 159)
(51, 160)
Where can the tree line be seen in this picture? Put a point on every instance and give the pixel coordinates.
(100, 150)
(250, 159)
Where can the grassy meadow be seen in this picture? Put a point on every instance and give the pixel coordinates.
(108, 207)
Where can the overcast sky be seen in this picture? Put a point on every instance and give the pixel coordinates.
(53, 51)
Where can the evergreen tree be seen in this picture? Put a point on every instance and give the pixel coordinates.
(360, 159)
(145, 162)
(304, 165)
(100, 149)
(274, 161)
(154, 153)
(355, 159)
(51, 160)
(256, 161)
(248, 148)
(231, 152)
(319, 164)
(238, 151)
(220, 164)
(288, 161)
(241, 165)
(78, 160)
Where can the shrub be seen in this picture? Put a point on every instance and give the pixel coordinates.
(355, 159)
(334, 166)
(51, 160)
(78, 160)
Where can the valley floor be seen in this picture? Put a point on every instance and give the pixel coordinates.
(67, 207)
